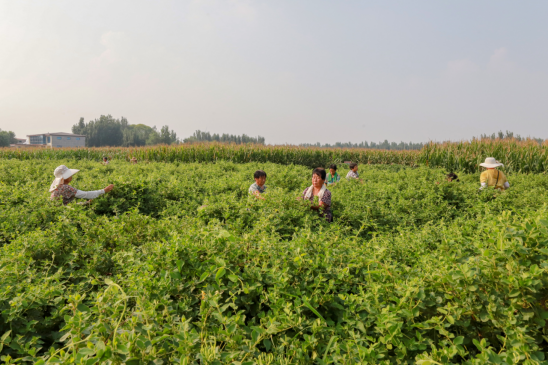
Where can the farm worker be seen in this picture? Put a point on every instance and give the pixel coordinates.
(333, 177)
(318, 189)
(133, 160)
(105, 160)
(493, 177)
(451, 177)
(258, 187)
(60, 187)
(353, 173)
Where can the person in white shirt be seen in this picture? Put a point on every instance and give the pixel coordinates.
(60, 187)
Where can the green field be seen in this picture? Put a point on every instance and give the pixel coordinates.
(178, 264)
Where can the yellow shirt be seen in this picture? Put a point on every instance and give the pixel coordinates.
(490, 177)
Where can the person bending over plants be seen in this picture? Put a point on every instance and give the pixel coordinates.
(451, 177)
(60, 187)
(258, 187)
(353, 173)
(333, 177)
(319, 189)
(492, 177)
(105, 161)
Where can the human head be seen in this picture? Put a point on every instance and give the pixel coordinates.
(63, 175)
(452, 177)
(318, 177)
(332, 169)
(260, 177)
(104, 158)
(353, 166)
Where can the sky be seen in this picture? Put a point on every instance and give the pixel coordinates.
(300, 71)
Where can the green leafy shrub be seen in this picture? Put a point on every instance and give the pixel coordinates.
(180, 265)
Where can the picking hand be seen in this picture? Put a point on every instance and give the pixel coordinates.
(109, 188)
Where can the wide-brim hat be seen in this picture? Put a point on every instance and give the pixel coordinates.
(491, 163)
(61, 173)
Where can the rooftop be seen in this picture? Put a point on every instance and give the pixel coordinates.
(57, 134)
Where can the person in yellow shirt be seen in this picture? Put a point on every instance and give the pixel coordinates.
(493, 177)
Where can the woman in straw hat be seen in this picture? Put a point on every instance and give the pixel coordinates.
(493, 177)
(60, 187)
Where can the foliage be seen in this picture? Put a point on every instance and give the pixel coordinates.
(180, 265)
(7, 138)
(385, 145)
(108, 131)
(200, 136)
(517, 156)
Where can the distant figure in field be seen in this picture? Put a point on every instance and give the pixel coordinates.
(492, 177)
(319, 189)
(333, 177)
(105, 161)
(452, 177)
(60, 187)
(258, 187)
(353, 173)
(133, 160)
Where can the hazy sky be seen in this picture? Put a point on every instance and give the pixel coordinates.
(291, 71)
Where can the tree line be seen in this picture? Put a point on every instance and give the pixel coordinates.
(508, 135)
(108, 131)
(7, 138)
(200, 136)
(385, 145)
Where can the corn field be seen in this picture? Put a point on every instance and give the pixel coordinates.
(517, 156)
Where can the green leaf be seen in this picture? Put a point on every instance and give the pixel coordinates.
(86, 351)
(514, 293)
(255, 336)
(307, 304)
(4, 336)
(331, 340)
(83, 308)
(204, 276)
(233, 278)
(267, 344)
(220, 273)
(450, 319)
(458, 340)
(100, 345)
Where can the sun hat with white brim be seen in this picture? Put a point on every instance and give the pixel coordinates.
(491, 163)
(61, 172)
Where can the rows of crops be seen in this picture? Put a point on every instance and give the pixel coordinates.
(518, 156)
(179, 265)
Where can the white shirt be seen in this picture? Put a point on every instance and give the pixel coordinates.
(89, 195)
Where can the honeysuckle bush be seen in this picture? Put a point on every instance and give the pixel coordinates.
(178, 264)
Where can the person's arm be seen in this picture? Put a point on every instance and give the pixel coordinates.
(89, 195)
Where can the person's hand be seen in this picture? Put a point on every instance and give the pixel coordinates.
(109, 188)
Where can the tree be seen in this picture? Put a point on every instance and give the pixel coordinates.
(7, 138)
(108, 131)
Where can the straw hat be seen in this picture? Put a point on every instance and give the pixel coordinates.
(61, 173)
(491, 163)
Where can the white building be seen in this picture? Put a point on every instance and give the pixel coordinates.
(57, 139)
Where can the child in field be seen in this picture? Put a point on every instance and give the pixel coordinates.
(353, 173)
(493, 177)
(105, 161)
(258, 187)
(332, 177)
(60, 187)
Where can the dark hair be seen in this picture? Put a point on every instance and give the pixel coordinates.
(453, 176)
(333, 166)
(258, 174)
(353, 165)
(320, 172)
